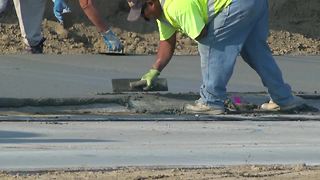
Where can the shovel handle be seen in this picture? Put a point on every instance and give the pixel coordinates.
(136, 84)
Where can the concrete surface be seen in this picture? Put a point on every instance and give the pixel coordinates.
(35, 76)
(80, 131)
(146, 107)
(34, 146)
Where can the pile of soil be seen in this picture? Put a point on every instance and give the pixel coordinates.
(271, 172)
(294, 28)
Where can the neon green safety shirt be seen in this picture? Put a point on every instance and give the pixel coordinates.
(186, 16)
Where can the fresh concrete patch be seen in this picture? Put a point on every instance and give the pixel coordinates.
(146, 107)
(107, 108)
(161, 103)
(22, 102)
(156, 117)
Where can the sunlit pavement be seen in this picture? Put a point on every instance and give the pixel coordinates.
(46, 137)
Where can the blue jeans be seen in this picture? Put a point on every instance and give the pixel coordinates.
(242, 28)
(3, 5)
(59, 8)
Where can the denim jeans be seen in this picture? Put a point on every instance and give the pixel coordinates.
(59, 8)
(3, 5)
(242, 28)
(30, 15)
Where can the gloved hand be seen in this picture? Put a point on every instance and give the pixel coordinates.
(112, 41)
(150, 76)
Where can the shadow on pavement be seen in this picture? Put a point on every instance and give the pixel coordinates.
(17, 134)
(26, 140)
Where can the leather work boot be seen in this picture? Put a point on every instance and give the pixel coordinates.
(200, 108)
(67, 19)
(272, 106)
(37, 49)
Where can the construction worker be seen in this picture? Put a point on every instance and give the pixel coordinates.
(112, 42)
(223, 29)
(3, 5)
(60, 10)
(30, 15)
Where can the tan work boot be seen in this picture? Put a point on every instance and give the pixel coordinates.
(272, 106)
(200, 108)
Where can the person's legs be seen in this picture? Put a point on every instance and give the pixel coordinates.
(257, 54)
(59, 8)
(30, 14)
(66, 8)
(3, 5)
(219, 49)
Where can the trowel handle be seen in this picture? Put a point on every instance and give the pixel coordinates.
(136, 84)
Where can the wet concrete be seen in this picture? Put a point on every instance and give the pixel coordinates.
(73, 84)
(59, 112)
(147, 107)
(52, 76)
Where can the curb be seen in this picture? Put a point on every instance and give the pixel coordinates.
(119, 98)
(21, 102)
(157, 118)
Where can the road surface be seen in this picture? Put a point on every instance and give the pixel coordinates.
(91, 144)
(34, 146)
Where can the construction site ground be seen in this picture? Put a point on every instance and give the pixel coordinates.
(60, 119)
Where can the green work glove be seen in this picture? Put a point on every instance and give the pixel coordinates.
(150, 76)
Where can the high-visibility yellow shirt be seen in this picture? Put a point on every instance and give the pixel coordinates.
(186, 16)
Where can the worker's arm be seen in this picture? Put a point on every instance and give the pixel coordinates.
(112, 42)
(165, 52)
(94, 16)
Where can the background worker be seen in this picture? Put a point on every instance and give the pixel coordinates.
(60, 11)
(3, 5)
(112, 42)
(30, 15)
(223, 29)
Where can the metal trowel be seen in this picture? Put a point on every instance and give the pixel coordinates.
(137, 85)
(114, 53)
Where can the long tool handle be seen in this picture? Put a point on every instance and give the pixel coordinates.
(137, 84)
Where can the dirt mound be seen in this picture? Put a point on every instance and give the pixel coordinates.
(285, 172)
(294, 24)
